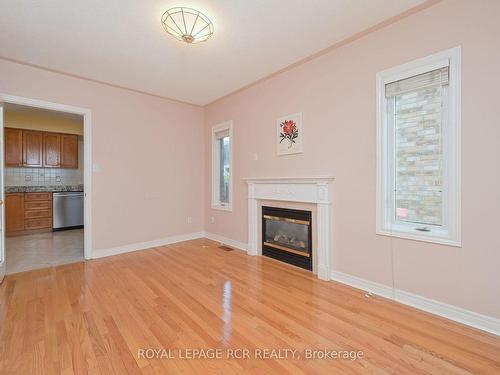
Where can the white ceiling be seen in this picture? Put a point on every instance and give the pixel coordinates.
(122, 41)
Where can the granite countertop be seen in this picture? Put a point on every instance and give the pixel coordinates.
(42, 189)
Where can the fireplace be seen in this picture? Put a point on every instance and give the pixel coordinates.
(287, 236)
(310, 191)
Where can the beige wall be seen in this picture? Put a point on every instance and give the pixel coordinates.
(336, 93)
(43, 121)
(149, 151)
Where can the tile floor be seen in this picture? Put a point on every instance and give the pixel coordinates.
(43, 250)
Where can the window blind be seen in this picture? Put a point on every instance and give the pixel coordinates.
(221, 134)
(428, 79)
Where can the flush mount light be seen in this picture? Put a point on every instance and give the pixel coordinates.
(187, 25)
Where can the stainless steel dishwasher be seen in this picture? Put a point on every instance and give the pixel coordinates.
(67, 210)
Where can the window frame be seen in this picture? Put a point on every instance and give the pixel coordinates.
(450, 232)
(216, 203)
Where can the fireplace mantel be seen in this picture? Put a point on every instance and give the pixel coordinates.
(315, 190)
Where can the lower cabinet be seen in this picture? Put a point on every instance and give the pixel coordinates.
(37, 223)
(27, 212)
(14, 212)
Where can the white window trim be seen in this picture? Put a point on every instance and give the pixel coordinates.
(451, 233)
(216, 204)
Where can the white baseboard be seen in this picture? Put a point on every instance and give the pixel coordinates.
(146, 245)
(226, 241)
(458, 314)
(363, 284)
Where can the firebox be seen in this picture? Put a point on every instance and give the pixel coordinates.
(286, 236)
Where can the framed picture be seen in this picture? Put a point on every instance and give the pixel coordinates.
(289, 135)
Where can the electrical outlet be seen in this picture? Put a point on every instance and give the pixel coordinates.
(189, 220)
(27, 177)
(212, 219)
(255, 156)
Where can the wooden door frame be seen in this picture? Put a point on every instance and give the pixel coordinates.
(87, 154)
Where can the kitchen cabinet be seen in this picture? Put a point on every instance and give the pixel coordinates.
(69, 151)
(38, 149)
(13, 148)
(14, 212)
(28, 212)
(51, 150)
(32, 148)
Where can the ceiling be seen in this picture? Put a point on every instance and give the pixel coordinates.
(122, 42)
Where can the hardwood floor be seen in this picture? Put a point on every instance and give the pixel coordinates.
(94, 317)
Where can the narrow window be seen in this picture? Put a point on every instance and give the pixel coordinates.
(418, 192)
(221, 166)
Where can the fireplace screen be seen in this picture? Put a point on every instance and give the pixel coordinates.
(290, 234)
(286, 235)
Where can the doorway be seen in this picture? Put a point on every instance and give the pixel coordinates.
(46, 184)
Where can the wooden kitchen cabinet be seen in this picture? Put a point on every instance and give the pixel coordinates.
(32, 148)
(51, 150)
(37, 211)
(27, 213)
(69, 151)
(14, 212)
(41, 223)
(37, 205)
(13, 147)
(44, 196)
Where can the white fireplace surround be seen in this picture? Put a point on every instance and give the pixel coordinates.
(312, 190)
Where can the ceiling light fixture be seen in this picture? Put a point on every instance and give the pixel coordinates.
(187, 25)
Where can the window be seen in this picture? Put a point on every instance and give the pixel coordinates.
(418, 149)
(221, 166)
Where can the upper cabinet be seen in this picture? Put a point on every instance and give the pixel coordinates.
(32, 148)
(29, 148)
(13, 147)
(69, 151)
(51, 150)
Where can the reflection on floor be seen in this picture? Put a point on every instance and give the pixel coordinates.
(42, 250)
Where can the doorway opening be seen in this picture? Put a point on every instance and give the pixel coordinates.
(46, 181)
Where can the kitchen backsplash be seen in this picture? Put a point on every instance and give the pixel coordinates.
(42, 176)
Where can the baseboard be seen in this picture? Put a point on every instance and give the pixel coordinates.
(458, 314)
(145, 245)
(226, 241)
(363, 284)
